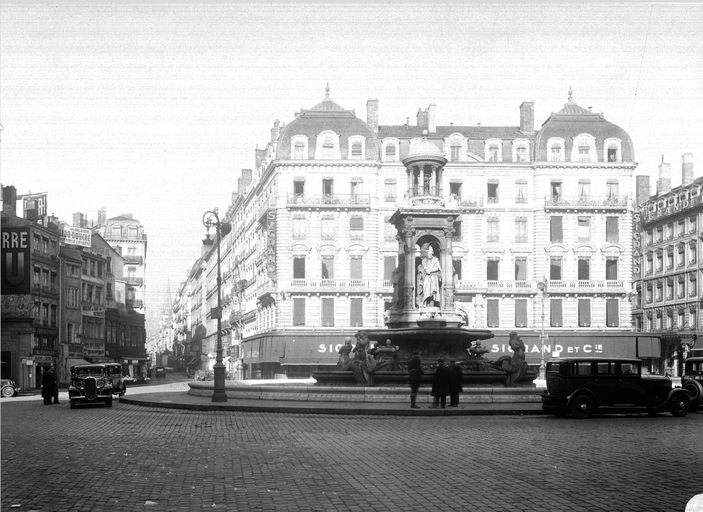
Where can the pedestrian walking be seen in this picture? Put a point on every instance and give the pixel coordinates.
(49, 387)
(456, 375)
(440, 385)
(414, 377)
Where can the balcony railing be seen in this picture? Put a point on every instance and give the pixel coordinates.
(134, 304)
(554, 285)
(331, 200)
(135, 281)
(329, 284)
(585, 203)
(133, 260)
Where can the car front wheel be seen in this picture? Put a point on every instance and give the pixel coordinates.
(7, 391)
(582, 407)
(694, 390)
(679, 404)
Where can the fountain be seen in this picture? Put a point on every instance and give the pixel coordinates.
(422, 316)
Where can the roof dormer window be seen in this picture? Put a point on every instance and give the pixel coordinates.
(584, 149)
(356, 147)
(612, 150)
(555, 149)
(457, 147)
(390, 150)
(521, 150)
(299, 145)
(493, 150)
(327, 146)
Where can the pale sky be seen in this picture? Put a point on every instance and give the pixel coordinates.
(152, 108)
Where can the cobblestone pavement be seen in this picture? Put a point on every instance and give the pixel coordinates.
(132, 458)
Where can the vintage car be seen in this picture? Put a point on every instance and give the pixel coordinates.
(8, 388)
(582, 386)
(692, 380)
(90, 383)
(119, 384)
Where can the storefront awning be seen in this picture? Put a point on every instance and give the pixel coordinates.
(577, 344)
(294, 349)
(74, 362)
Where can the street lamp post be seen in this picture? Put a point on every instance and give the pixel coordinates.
(542, 287)
(212, 219)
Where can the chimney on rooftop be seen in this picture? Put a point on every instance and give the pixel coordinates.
(664, 181)
(527, 117)
(687, 169)
(372, 114)
(641, 190)
(9, 201)
(244, 181)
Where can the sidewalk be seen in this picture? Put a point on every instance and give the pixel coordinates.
(182, 400)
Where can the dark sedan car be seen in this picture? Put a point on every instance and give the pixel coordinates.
(8, 388)
(582, 386)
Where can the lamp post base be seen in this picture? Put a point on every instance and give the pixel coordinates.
(219, 394)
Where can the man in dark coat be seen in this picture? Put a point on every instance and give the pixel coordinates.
(440, 385)
(49, 387)
(455, 377)
(414, 377)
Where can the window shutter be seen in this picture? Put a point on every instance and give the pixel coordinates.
(555, 313)
(611, 313)
(492, 312)
(327, 312)
(298, 311)
(555, 230)
(584, 313)
(356, 316)
(521, 313)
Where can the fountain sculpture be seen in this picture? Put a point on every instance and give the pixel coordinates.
(422, 316)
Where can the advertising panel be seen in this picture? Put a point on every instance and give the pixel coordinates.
(15, 261)
(71, 235)
(34, 203)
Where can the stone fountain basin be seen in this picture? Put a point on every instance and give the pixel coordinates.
(448, 343)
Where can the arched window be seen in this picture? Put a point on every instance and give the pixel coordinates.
(456, 147)
(327, 146)
(521, 150)
(390, 150)
(357, 146)
(584, 148)
(493, 150)
(555, 149)
(299, 147)
(612, 150)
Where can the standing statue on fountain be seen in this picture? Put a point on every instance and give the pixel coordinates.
(429, 278)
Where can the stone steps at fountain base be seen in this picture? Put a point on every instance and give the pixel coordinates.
(362, 394)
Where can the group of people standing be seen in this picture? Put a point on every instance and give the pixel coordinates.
(446, 380)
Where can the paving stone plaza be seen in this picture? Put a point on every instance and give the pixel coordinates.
(132, 458)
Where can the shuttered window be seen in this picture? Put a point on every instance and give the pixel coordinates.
(356, 312)
(556, 234)
(355, 269)
(298, 311)
(328, 312)
(612, 230)
(492, 312)
(555, 313)
(611, 313)
(388, 267)
(520, 312)
(584, 312)
(299, 267)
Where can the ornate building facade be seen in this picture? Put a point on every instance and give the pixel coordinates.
(668, 268)
(541, 241)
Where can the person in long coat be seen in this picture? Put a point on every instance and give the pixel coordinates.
(414, 377)
(440, 385)
(49, 387)
(456, 375)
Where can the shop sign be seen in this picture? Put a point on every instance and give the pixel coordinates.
(96, 311)
(71, 235)
(17, 306)
(15, 261)
(43, 359)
